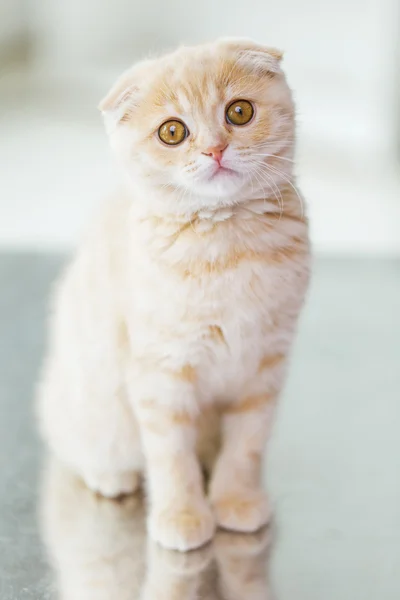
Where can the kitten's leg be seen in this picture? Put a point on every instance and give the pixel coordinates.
(236, 488)
(236, 492)
(180, 516)
(91, 428)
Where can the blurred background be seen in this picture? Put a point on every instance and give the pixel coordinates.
(59, 58)
(334, 464)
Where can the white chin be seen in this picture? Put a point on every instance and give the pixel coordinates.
(222, 185)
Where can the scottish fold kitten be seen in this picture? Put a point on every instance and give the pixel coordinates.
(179, 309)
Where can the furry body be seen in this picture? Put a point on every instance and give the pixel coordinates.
(182, 302)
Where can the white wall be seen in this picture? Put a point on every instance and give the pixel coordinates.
(12, 21)
(341, 55)
(342, 59)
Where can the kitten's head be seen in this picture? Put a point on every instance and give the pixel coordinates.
(214, 123)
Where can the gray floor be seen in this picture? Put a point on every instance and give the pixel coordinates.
(333, 468)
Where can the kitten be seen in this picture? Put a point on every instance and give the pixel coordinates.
(183, 301)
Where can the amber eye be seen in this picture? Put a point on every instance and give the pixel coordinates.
(172, 132)
(239, 112)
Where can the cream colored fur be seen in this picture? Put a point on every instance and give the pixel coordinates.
(180, 307)
(99, 550)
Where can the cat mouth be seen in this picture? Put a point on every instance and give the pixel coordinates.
(220, 171)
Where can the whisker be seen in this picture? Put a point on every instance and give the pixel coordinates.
(275, 156)
(288, 180)
(254, 172)
(271, 184)
(276, 192)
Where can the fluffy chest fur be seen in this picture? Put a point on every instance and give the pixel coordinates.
(217, 292)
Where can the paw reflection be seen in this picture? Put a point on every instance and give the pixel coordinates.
(99, 550)
(242, 565)
(173, 575)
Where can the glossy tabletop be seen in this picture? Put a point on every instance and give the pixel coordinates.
(333, 469)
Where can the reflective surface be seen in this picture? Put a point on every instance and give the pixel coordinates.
(333, 467)
(99, 549)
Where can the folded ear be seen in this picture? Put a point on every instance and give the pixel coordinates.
(121, 100)
(264, 59)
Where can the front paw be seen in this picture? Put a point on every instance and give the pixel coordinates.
(242, 511)
(182, 528)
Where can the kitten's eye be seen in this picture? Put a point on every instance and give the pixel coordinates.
(173, 132)
(240, 112)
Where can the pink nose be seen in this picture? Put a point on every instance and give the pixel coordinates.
(216, 152)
